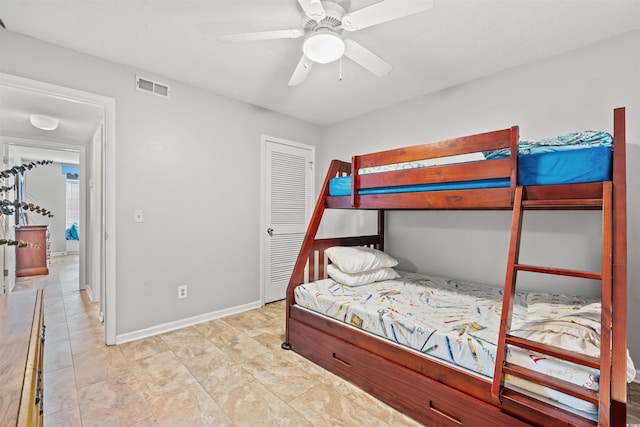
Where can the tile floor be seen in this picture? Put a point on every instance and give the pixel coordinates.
(226, 372)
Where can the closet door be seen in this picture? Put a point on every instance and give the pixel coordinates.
(288, 202)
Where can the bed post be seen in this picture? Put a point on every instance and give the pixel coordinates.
(336, 168)
(514, 140)
(355, 182)
(619, 309)
(381, 229)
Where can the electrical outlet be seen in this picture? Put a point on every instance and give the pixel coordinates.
(182, 291)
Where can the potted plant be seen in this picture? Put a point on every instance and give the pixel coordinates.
(9, 207)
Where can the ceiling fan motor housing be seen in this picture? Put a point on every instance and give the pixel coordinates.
(334, 11)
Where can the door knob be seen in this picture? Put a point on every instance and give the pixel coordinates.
(270, 231)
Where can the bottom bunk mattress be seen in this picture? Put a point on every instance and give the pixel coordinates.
(458, 322)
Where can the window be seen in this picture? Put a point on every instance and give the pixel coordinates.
(73, 202)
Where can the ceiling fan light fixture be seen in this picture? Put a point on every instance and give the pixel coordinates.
(323, 46)
(44, 122)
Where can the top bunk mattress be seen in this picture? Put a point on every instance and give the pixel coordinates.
(458, 322)
(570, 159)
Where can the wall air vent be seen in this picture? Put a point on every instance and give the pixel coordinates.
(144, 84)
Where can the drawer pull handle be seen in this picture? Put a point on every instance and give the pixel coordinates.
(335, 356)
(443, 414)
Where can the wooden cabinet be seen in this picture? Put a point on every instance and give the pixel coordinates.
(21, 359)
(33, 259)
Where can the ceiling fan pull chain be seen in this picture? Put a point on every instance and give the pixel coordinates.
(340, 70)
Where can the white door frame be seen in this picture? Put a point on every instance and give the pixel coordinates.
(263, 198)
(108, 104)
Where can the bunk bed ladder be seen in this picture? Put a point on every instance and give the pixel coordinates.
(503, 368)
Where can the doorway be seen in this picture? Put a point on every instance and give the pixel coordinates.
(58, 187)
(288, 183)
(35, 94)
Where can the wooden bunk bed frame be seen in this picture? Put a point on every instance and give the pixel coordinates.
(427, 389)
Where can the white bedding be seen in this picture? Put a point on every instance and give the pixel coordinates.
(438, 161)
(458, 321)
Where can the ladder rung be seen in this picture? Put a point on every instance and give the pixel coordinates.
(551, 382)
(542, 407)
(557, 352)
(562, 202)
(559, 271)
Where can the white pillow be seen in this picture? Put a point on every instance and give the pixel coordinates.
(363, 278)
(356, 259)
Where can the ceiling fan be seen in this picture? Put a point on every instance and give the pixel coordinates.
(323, 24)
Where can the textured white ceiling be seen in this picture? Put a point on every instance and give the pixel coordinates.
(77, 121)
(455, 42)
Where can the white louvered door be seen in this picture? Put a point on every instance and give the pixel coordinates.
(288, 205)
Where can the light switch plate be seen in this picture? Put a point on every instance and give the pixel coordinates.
(137, 215)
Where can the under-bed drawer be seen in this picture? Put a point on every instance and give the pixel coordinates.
(427, 401)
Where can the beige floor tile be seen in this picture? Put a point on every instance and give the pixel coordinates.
(147, 422)
(55, 314)
(60, 390)
(75, 304)
(57, 355)
(187, 343)
(68, 417)
(324, 406)
(196, 408)
(252, 323)
(83, 321)
(217, 373)
(343, 387)
(270, 340)
(282, 377)
(275, 309)
(239, 346)
(217, 331)
(101, 364)
(112, 403)
(86, 339)
(55, 331)
(142, 348)
(252, 404)
(162, 373)
(53, 302)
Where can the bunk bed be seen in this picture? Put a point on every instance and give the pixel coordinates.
(433, 390)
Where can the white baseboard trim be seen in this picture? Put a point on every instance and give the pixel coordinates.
(183, 323)
(57, 254)
(90, 294)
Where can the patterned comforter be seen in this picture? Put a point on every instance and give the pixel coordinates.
(458, 321)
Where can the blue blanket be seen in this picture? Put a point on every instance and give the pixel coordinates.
(72, 232)
(570, 159)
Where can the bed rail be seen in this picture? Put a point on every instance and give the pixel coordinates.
(489, 198)
(312, 249)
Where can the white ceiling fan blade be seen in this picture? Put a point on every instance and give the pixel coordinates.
(260, 35)
(384, 11)
(367, 59)
(313, 9)
(301, 71)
